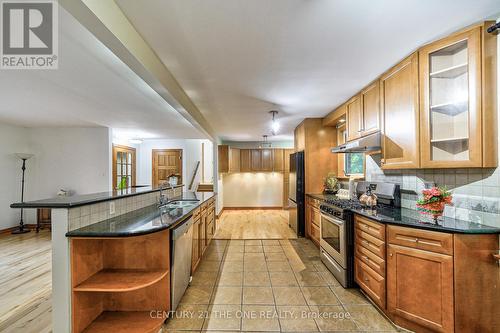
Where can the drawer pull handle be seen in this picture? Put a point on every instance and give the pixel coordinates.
(416, 240)
(367, 279)
(390, 254)
(366, 242)
(497, 257)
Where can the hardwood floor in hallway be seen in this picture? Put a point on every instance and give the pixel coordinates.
(25, 283)
(254, 224)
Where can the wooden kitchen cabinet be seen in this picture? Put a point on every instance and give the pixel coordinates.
(420, 288)
(266, 163)
(300, 137)
(245, 160)
(399, 100)
(229, 159)
(234, 160)
(457, 87)
(256, 160)
(195, 256)
(313, 220)
(278, 160)
(354, 109)
(370, 115)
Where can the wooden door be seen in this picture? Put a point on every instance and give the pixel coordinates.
(124, 165)
(450, 103)
(420, 288)
(266, 159)
(354, 108)
(166, 163)
(234, 160)
(256, 159)
(400, 124)
(278, 156)
(245, 160)
(370, 99)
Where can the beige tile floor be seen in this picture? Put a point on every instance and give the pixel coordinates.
(270, 286)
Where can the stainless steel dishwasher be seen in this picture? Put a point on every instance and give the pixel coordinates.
(180, 261)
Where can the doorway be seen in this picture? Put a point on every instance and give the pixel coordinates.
(124, 165)
(166, 163)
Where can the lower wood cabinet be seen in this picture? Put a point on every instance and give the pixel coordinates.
(420, 288)
(313, 217)
(203, 230)
(429, 281)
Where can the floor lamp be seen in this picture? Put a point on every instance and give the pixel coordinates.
(21, 229)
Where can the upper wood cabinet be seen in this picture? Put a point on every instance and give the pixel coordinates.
(370, 115)
(267, 160)
(457, 108)
(229, 159)
(245, 160)
(256, 159)
(300, 137)
(400, 114)
(354, 109)
(234, 159)
(278, 160)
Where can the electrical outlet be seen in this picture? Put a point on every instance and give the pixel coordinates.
(111, 207)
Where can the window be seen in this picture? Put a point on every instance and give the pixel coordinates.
(354, 164)
(123, 166)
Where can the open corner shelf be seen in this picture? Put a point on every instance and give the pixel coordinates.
(451, 108)
(450, 72)
(121, 280)
(125, 322)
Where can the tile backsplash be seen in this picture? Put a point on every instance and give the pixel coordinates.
(476, 192)
(83, 216)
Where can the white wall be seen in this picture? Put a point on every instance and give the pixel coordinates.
(13, 139)
(263, 189)
(76, 159)
(191, 149)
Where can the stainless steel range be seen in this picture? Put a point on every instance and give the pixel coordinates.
(337, 228)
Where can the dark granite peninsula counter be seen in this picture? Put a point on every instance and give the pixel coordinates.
(413, 219)
(87, 199)
(148, 219)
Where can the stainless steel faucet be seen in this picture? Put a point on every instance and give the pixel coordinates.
(164, 198)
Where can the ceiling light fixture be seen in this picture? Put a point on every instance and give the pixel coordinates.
(265, 143)
(275, 126)
(135, 141)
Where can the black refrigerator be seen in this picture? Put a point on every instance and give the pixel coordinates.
(296, 195)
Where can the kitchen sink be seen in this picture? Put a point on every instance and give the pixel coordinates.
(181, 204)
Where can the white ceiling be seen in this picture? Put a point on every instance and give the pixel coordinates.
(92, 87)
(236, 58)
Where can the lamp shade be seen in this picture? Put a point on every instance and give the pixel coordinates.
(24, 156)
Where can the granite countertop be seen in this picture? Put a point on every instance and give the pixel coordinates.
(86, 199)
(413, 219)
(145, 220)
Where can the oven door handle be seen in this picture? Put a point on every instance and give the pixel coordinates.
(332, 219)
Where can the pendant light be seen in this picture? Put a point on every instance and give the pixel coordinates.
(275, 126)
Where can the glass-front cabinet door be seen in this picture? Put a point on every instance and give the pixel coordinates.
(450, 78)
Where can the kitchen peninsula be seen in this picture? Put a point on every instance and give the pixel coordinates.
(111, 255)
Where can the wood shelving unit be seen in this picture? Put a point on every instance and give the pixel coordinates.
(116, 282)
(451, 108)
(121, 280)
(125, 322)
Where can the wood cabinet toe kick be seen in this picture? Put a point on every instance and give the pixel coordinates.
(429, 281)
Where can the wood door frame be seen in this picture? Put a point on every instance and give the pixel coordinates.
(153, 170)
(134, 163)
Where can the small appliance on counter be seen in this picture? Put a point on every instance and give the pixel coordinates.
(296, 194)
(337, 227)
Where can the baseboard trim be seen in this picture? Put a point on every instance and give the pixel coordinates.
(9, 230)
(253, 208)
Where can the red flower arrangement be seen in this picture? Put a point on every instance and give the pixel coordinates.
(433, 201)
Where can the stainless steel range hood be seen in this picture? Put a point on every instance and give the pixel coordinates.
(365, 144)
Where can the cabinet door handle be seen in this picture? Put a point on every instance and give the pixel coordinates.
(367, 279)
(496, 256)
(390, 254)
